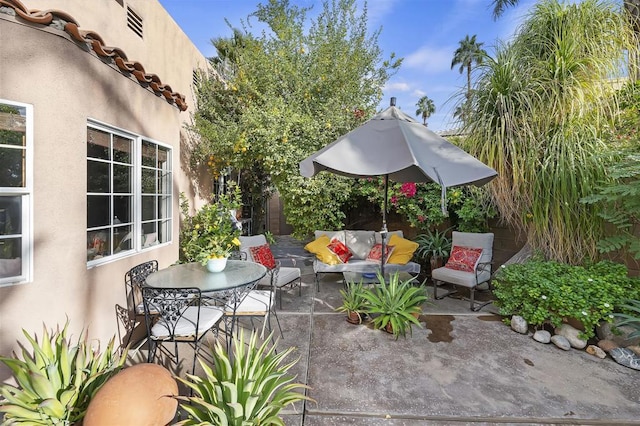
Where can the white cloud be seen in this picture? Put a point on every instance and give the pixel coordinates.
(418, 93)
(400, 87)
(430, 59)
(377, 10)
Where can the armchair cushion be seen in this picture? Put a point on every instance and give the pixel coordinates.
(322, 252)
(464, 258)
(403, 249)
(262, 254)
(338, 248)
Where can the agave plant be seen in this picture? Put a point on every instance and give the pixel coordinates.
(250, 389)
(394, 304)
(353, 302)
(57, 380)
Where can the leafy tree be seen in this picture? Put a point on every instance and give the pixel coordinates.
(425, 108)
(469, 52)
(288, 92)
(539, 114)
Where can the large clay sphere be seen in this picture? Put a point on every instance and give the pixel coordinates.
(138, 396)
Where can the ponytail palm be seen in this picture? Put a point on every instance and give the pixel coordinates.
(539, 114)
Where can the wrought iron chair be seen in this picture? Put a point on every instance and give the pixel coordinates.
(133, 281)
(181, 317)
(480, 273)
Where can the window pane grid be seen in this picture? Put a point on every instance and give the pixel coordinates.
(151, 198)
(16, 141)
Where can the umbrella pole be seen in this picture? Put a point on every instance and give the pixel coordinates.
(383, 232)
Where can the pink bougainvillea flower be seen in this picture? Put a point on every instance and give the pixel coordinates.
(408, 189)
(421, 218)
(394, 200)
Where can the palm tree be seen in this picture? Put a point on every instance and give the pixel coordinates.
(425, 108)
(469, 52)
(499, 7)
(539, 117)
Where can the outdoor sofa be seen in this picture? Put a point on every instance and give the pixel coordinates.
(364, 255)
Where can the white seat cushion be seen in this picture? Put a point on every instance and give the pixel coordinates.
(186, 324)
(254, 301)
(465, 279)
(286, 275)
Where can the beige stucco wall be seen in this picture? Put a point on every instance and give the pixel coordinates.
(67, 86)
(164, 50)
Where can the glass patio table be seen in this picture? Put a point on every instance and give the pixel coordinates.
(228, 287)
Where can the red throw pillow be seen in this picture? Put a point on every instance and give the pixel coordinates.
(464, 258)
(338, 248)
(375, 254)
(263, 255)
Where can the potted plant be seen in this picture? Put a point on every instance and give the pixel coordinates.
(211, 234)
(353, 302)
(433, 246)
(252, 388)
(393, 304)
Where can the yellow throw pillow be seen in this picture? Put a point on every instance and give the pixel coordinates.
(322, 252)
(403, 251)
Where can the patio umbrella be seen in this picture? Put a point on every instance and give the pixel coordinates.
(394, 145)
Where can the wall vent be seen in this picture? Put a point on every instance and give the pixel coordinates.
(134, 22)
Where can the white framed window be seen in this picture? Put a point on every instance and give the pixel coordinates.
(129, 193)
(16, 187)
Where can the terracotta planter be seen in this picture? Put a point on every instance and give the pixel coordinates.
(354, 317)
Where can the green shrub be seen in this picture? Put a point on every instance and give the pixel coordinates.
(551, 292)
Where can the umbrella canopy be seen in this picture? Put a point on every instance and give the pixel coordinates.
(394, 144)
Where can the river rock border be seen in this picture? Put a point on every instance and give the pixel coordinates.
(566, 337)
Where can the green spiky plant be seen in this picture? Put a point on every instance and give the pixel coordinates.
(353, 302)
(56, 380)
(251, 388)
(396, 303)
(539, 115)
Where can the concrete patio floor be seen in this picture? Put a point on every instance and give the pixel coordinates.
(460, 368)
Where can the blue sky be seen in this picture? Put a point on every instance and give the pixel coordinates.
(423, 32)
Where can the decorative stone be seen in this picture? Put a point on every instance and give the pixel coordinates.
(596, 351)
(561, 342)
(607, 345)
(542, 336)
(636, 349)
(571, 334)
(626, 357)
(618, 334)
(519, 324)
